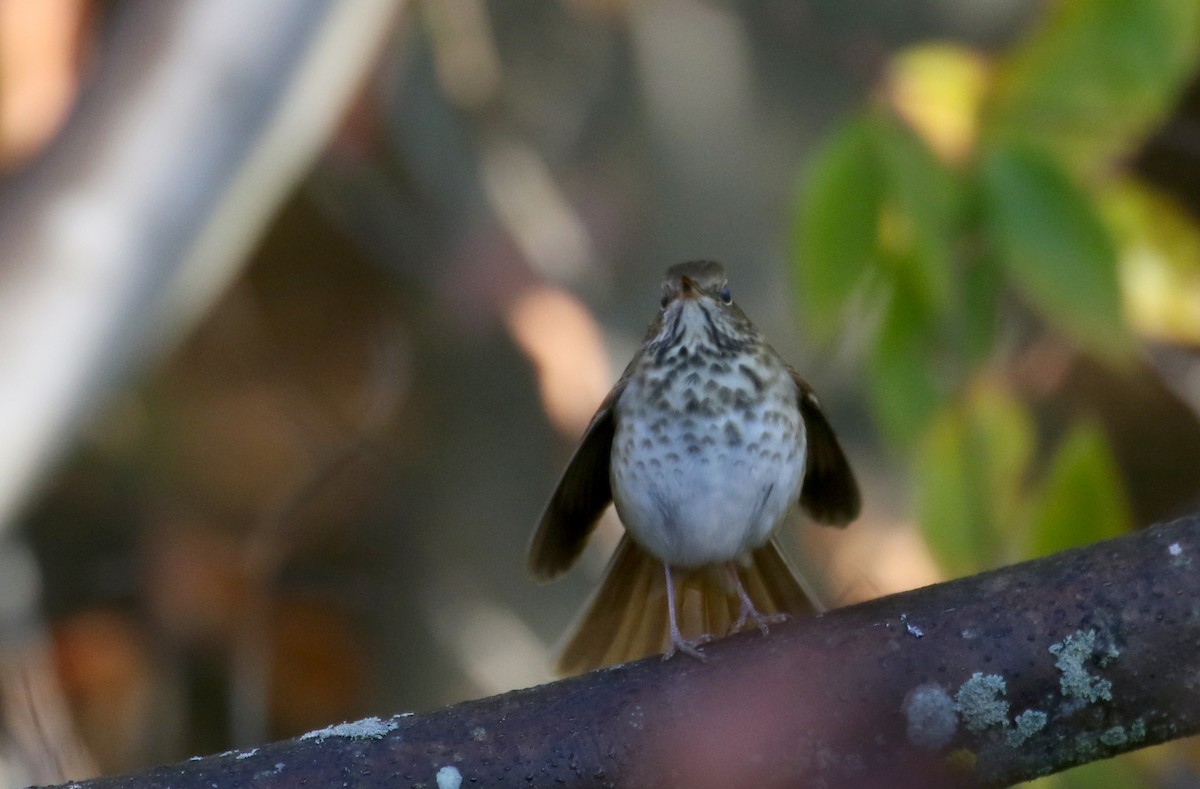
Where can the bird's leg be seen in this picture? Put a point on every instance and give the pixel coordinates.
(678, 642)
(748, 611)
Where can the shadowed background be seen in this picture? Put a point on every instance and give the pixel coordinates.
(301, 492)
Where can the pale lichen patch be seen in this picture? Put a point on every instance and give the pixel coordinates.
(1114, 736)
(1117, 736)
(366, 729)
(979, 701)
(449, 777)
(1087, 745)
(931, 717)
(1025, 725)
(1075, 681)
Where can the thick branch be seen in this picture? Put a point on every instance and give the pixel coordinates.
(983, 681)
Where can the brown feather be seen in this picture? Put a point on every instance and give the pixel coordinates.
(829, 493)
(626, 618)
(580, 498)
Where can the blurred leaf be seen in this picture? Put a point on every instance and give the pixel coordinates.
(983, 282)
(1160, 262)
(927, 198)
(1119, 773)
(904, 392)
(938, 90)
(1053, 245)
(1096, 75)
(969, 472)
(879, 201)
(1081, 500)
(839, 222)
(950, 498)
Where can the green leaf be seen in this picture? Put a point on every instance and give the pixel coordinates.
(1096, 75)
(904, 391)
(880, 204)
(969, 471)
(1082, 499)
(926, 197)
(838, 231)
(983, 282)
(1047, 236)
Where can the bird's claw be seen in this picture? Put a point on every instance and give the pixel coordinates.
(692, 648)
(763, 621)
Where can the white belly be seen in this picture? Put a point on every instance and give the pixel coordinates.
(701, 488)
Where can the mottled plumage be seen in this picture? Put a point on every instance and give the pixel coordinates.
(702, 446)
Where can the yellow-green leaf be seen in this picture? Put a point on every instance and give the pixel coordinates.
(1082, 499)
(970, 468)
(1159, 262)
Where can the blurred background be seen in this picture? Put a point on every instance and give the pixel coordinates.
(303, 306)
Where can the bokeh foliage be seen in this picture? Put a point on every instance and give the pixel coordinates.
(981, 203)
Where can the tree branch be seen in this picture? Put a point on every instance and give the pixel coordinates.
(204, 114)
(983, 681)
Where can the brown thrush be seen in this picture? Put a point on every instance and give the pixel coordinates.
(703, 445)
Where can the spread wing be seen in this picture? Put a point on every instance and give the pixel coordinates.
(582, 494)
(829, 493)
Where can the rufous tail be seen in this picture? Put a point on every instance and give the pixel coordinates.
(626, 618)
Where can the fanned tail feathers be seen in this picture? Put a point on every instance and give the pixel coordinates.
(626, 618)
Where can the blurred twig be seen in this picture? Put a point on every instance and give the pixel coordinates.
(204, 115)
(984, 681)
(334, 450)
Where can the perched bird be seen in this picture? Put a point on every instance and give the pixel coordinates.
(703, 445)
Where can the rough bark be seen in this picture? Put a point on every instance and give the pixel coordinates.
(983, 681)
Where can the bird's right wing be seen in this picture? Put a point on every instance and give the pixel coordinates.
(582, 494)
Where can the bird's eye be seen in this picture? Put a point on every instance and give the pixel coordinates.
(726, 296)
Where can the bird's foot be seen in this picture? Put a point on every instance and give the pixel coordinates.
(678, 642)
(749, 613)
(692, 648)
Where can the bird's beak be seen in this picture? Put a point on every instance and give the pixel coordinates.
(688, 289)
